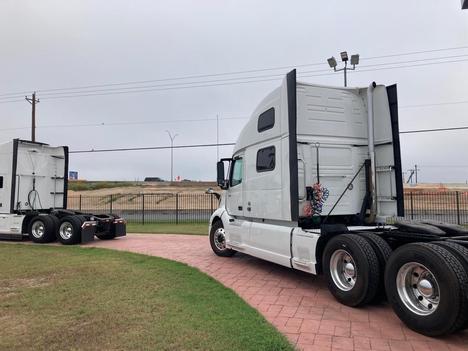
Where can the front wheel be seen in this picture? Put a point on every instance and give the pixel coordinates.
(218, 240)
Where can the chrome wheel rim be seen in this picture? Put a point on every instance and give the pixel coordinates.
(38, 229)
(343, 270)
(219, 238)
(418, 288)
(66, 230)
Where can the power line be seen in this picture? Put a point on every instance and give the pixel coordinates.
(151, 148)
(279, 76)
(237, 82)
(444, 166)
(228, 73)
(435, 104)
(432, 130)
(6, 102)
(125, 123)
(224, 144)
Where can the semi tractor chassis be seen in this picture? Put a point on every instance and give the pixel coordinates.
(420, 267)
(68, 227)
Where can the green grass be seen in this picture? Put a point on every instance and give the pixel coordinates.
(169, 228)
(72, 298)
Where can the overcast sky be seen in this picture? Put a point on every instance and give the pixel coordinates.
(51, 44)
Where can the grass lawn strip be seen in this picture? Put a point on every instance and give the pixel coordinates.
(56, 298)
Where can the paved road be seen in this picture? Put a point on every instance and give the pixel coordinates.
(298, 304)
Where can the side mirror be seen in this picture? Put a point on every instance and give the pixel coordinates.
(221, 180)
(211, 191)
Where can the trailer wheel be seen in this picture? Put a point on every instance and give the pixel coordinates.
(41, 229)
(425, 285)
(461, 253)
(218, 240)
(352, 269)
(383, 252)
(69, 231)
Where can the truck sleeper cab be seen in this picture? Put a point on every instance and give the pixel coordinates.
(33, 198)
(315, 184)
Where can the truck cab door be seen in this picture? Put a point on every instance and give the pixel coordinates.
(234, 199)
(238, 228)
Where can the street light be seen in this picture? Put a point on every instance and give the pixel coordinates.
(172, 137)
(344, 57)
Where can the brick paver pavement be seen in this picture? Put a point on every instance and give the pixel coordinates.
(298, 304)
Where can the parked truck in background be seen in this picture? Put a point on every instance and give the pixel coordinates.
(33, 198)
(315, 184)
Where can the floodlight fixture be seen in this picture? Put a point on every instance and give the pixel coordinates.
(344, 56)
(355, 59)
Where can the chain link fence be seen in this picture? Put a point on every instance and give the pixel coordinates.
(451, 207)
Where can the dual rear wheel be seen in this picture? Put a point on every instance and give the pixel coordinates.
(426, 283)
(48, 228)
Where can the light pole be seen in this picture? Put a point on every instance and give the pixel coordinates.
(172, 137)
(344, 57)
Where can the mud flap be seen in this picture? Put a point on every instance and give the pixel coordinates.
(88, 229)
(119, 228)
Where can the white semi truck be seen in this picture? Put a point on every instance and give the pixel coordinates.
(33, 198)
(315, 184)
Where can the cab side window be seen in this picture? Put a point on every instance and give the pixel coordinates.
(237, 172)
(266, 159)
(266, 120)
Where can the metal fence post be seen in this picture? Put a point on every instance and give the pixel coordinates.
(143, 209)
(111, 199)
(80, 203)
(177, 208)
(211, 203)
(458, 207)
(411, 205)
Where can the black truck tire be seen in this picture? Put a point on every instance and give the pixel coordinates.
(69, 230)
(105, 236)
(218, 240)
(425, 285)
(41, 229)
(461, 253)
(383, 252)
(352, 269)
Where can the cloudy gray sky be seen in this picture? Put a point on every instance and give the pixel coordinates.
(52, 44)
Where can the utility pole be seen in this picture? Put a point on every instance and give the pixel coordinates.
(32, 100)
(172, 137)
(416, 173)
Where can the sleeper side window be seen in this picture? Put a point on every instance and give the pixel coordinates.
(237, 172)
(266, 159)
(266, 120)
